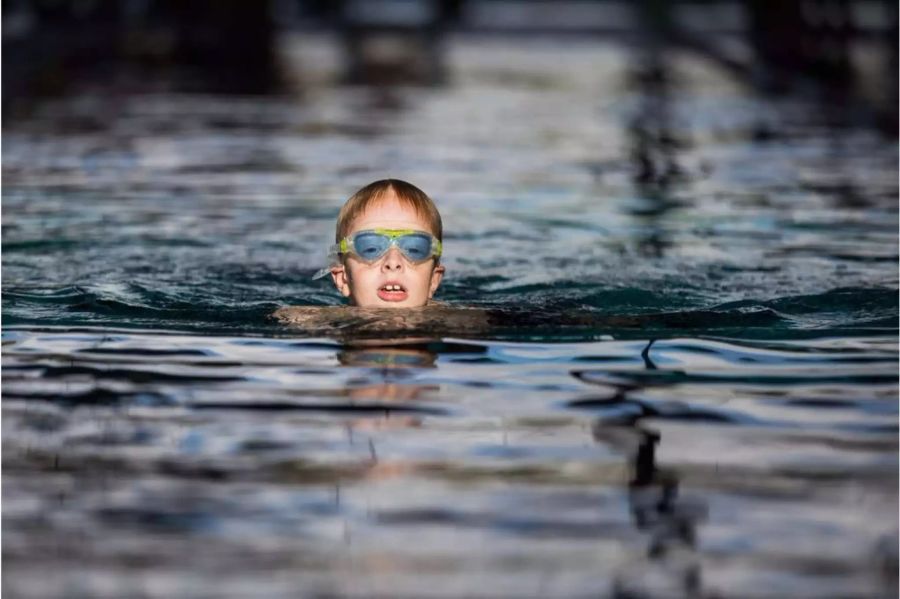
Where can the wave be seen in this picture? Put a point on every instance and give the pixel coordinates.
(579, 313)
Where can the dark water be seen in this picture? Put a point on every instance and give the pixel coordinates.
(719, 420)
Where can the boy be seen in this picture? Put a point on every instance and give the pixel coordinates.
(388, 247)
(386, 256)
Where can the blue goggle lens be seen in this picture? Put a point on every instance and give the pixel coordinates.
(372, 246)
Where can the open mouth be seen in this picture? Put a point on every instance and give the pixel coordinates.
(392, 292)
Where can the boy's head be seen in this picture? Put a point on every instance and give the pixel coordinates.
(389, 243)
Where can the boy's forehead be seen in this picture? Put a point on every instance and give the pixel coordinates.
(388, 212)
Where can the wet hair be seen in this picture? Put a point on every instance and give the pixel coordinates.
(369, 195)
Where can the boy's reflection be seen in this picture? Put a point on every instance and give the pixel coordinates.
(394, 366)
(391, 379)
(387, 356)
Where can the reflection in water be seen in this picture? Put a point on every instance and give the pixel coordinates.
(412, 462)
(393, 358)
(391, 378)
(670, 566)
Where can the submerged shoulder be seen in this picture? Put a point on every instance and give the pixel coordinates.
(434, 315)
(305, 313)
(300, 315)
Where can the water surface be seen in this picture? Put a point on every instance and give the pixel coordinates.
(690, 388)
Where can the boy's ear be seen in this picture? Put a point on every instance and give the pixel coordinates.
(436, 276)
(341, 280)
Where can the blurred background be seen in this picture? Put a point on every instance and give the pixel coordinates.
(843, 50)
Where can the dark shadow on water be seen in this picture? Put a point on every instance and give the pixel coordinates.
(668, 522)
(670, 565)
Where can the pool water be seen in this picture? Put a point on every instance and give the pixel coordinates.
(693, 392)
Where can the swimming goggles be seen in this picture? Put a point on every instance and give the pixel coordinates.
(370, 245)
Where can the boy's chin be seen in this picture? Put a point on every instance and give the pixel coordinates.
(389, 303)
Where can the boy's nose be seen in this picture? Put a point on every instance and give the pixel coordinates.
(393, 261)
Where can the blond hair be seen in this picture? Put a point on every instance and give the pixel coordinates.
(407, 193)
